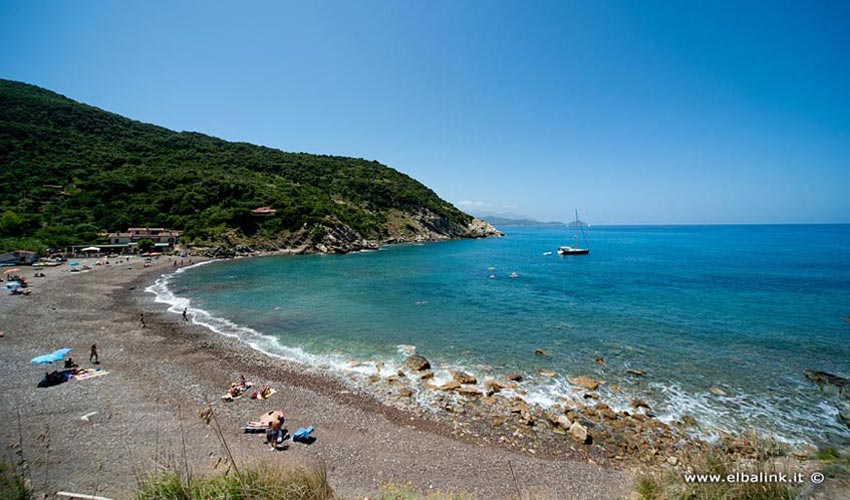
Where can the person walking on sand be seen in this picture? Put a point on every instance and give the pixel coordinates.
(93, 355)
(142, 320)
(185, 314)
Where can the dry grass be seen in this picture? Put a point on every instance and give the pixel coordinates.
(714, 462)
(410, 492)
(257, 481)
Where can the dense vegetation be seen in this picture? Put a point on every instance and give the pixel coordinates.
(69, 171)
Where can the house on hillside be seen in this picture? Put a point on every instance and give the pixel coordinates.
(263, 211)
(127, 241)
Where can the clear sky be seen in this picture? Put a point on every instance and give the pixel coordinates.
(632, 112)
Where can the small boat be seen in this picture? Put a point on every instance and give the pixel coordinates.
(576, 250)
(546, 254)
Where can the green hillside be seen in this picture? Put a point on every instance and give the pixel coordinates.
(69, 171)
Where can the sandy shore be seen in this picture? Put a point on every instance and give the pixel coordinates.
(161, 376)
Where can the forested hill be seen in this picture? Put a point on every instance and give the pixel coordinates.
(69, 171)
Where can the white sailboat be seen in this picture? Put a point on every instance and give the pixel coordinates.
(576, 250)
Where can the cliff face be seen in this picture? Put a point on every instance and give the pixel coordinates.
(71, 171)
(342, 239)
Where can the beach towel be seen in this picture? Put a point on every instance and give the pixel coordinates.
(228, 398)
(97, 372)
(302, 434)
(254, 428)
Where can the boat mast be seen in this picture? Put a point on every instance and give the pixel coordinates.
(577, 226)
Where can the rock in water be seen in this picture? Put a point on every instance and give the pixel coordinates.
(584, 382)
(828, 379)
(514, 377)
(540, 352)
(450, 385)
(716, 391)
(417, 363)
(493, 385)
(843, 406)
(463, 378)
(636, 373)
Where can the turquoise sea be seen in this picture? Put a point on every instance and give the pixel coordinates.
(742, 308)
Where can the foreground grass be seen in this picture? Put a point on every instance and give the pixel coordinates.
(12, 484)
(672, 485)
(410, 492)
(260, 481)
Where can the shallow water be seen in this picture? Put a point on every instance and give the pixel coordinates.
(742, 308)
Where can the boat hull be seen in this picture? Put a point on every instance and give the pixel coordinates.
(573, 251)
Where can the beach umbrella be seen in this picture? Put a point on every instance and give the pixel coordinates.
(57, 355)
(73, 263)
(10, 271)
(91, 249)
(13, 284)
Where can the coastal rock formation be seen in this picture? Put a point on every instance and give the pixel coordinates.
(579, 433)
(417, 363)
(827, 379)
(450, 385)
(584, 382)
(837, 384)
(340, 239)
(463, 378)
(493, 385)
(843, 405)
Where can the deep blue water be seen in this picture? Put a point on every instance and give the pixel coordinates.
(742, 308)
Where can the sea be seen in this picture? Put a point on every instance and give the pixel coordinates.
(723, 320)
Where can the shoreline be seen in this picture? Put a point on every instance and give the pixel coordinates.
(513, 406)
(162, 375)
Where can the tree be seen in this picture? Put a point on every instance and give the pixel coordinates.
(145, 245)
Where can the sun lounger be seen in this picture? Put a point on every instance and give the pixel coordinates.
(254, 428)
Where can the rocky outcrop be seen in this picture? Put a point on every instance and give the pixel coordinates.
(827, 379)
(463, 378)
(584, 382)
(579, 433)
(417, 363)
(834, 383)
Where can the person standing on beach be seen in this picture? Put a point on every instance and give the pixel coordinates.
(142, 320)
(185, 315)
(93, 355)
(271, 436)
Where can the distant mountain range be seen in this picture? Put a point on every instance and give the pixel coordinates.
(509, 219)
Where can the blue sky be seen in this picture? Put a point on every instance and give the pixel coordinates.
(632, 112)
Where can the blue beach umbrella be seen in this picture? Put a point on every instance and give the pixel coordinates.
(73, 263)
(57, 355)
